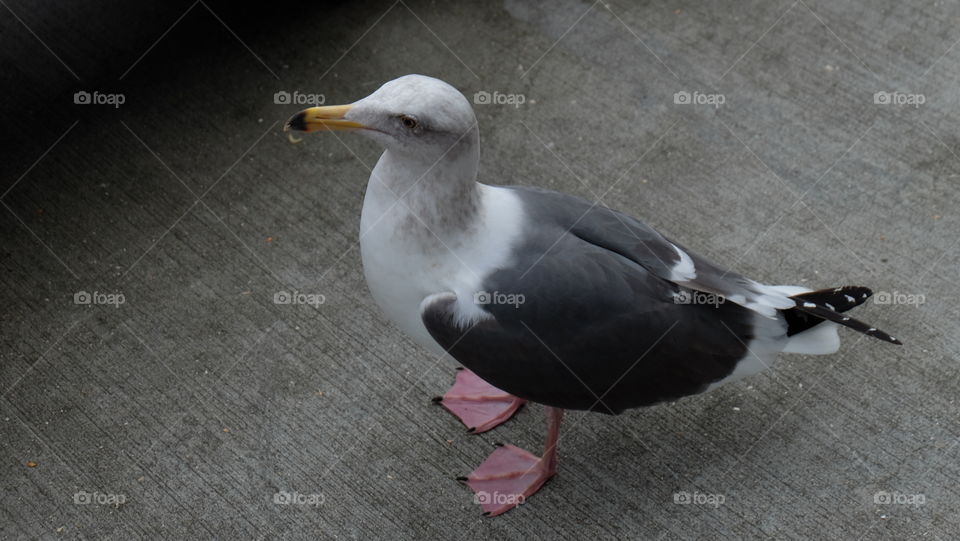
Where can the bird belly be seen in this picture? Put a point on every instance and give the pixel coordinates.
(398, 283)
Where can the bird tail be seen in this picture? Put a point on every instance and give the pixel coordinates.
(816, 307)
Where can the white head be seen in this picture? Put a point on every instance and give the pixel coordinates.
(418, 117)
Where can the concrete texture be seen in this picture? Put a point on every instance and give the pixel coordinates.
(199, 399)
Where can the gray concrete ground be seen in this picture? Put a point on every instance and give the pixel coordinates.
(185, 410)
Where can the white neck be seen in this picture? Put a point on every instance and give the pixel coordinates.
(441, 196)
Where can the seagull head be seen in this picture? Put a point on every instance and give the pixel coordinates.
(416, 116)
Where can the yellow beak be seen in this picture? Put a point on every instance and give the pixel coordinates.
(327, 118)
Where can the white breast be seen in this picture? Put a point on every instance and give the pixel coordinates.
(401, 273)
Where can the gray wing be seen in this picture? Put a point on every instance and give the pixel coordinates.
(600, 327)
(631, 238)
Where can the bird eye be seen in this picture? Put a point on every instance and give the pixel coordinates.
(408, 122)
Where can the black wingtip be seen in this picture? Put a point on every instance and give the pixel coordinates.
(880, 335)
(462, 479)
(821, 312)
(436, 399)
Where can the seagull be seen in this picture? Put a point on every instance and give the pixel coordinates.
(546, 297)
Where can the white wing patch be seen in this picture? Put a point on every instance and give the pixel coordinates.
(684, 270)
(769, 298)
(790, 290)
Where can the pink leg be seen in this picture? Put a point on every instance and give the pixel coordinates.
(510, 475)
(478, 404)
